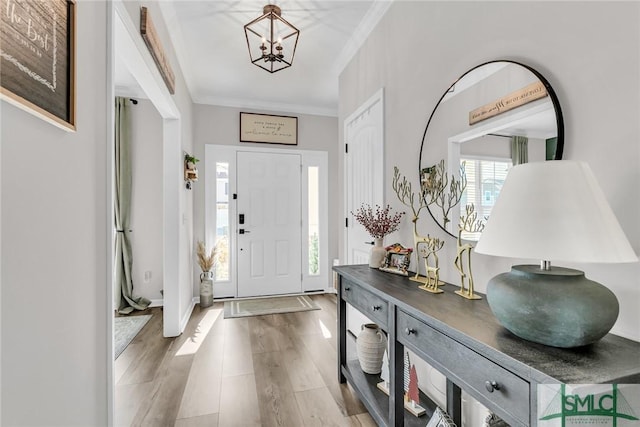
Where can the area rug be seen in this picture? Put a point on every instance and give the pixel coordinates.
(262, 306)
(125, 329)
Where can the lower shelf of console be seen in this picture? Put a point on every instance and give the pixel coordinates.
(377, 402)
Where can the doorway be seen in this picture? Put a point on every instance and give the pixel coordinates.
(295, 182)
(364, 174)
(269, 223)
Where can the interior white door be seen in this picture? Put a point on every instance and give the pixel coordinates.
(269, 223)
(364, 183)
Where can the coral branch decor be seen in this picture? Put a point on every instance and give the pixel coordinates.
(380, 222)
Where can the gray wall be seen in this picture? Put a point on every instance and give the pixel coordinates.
(221, 125)
(435, 42)
(54, 242)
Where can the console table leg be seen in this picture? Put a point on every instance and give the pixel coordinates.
(454, 402)
(342, 334)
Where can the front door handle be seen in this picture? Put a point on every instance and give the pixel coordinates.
(243, 231)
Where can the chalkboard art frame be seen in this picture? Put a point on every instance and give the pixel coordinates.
(37, 58)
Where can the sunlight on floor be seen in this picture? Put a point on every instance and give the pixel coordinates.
(325, 331)
(194, 342)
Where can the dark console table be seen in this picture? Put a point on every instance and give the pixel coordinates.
(463, 340)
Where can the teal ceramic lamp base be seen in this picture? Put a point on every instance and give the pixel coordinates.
(558, 307)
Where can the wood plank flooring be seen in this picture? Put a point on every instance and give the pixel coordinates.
(274, 370)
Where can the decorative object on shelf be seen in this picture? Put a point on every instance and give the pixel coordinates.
(271, 40)
(493, 420)
(468, 222)
(268, 128)
(371, 345)
(413, 394)
(407, 375)
(378, 224)
(38, 70)
(440, 419)
(206, 261)
(384, 374)
(428, 252)
(190, 170)
(553, 211)
(397, 259)
(439, 190)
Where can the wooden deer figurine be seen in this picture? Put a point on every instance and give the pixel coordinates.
(469, 222)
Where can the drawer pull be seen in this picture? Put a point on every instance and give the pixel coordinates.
(347, 288)
(491, 386)
(410, 331)
(376, 307)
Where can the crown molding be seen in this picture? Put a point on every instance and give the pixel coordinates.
(361, 33)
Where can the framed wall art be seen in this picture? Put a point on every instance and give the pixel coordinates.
(37, 64)
(397, 259)
(268, 129)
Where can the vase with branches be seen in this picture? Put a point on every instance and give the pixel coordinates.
(378, 222)
(206, 261)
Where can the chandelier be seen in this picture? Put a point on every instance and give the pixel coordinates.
(271, 40)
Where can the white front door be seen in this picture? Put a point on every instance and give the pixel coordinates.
(364, 160)
(268, 223)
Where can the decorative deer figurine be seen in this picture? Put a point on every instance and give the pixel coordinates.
(425, 246)
(432, 281)
(407, 197)
(469, 222)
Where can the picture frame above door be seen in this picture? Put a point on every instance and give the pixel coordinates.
(267, 128)
(37, 69)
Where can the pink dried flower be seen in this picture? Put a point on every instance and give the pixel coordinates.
(380, 223)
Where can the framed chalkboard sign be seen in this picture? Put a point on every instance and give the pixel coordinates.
(37, 64)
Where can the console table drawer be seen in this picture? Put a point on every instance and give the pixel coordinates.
(508, 396)
(372, 306)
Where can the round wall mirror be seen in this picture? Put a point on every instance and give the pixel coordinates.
(496, 115)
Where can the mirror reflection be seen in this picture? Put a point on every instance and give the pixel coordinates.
(495, 116)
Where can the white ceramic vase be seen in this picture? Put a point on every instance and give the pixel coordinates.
(377, 254)
(371, 344)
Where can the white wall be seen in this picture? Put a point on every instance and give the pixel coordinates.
(54, 240)
(221, 125)
(433, 43)
(146, 200)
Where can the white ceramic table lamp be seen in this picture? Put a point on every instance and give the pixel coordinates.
(553, 211)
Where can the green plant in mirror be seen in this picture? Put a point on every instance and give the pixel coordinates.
(469, 222)
(440, 189)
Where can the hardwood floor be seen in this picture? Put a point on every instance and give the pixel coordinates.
(274, 370)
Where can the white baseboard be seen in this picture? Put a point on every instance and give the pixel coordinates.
(187, 315)
(157, 302)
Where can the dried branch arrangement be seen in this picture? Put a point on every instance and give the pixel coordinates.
(206, 260)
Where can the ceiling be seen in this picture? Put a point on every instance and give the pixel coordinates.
(209, 41)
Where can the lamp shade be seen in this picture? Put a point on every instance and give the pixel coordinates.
(554, 211)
